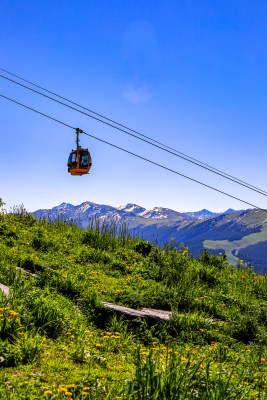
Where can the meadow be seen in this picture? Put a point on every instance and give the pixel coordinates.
(58, 341)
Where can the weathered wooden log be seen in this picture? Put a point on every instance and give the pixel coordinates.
(143, 313)
(5, 290)
(161, 315)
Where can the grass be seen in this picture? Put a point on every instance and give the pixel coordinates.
(57, 341)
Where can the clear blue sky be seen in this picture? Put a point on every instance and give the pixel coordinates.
(189, 73)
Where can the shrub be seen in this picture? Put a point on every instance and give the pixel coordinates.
(7, 232)
(47, 313)
(11, 355)
(247, 329)
(27, 264)
(29, 346)
(143, 247)
(41, 244)
(9, 323)
(93, 309)
(212, 260)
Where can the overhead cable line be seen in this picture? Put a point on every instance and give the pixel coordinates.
(248, 186)
(136, 155)
(132, 130)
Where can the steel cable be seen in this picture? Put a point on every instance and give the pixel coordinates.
(136, 155)
(132, 130)
(260, 191)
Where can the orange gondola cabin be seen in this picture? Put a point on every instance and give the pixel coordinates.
(79, 162)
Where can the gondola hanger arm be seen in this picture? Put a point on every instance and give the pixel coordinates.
(78, 130)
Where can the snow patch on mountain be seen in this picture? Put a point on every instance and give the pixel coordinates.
(63, 206)
(132, 208)
(160, 213)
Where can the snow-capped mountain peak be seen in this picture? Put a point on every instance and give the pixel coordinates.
(132, 208)
(159, 213)
(63, 206)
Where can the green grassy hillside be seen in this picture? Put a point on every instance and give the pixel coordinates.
(57, 341)
(233, 234)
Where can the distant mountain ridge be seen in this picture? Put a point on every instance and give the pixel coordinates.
(102, 210)
(88, 210)
(204, 214)
(238, 234)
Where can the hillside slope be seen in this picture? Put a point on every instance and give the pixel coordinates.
(57, 341)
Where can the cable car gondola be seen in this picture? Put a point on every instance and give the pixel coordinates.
(79, 162)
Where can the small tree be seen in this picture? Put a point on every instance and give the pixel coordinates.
(1, 202)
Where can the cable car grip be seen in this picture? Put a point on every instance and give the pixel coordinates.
(78, 130)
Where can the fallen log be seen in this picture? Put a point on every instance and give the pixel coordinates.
(5, 290)
(143, 313)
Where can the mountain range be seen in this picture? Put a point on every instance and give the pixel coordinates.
(238, 234)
